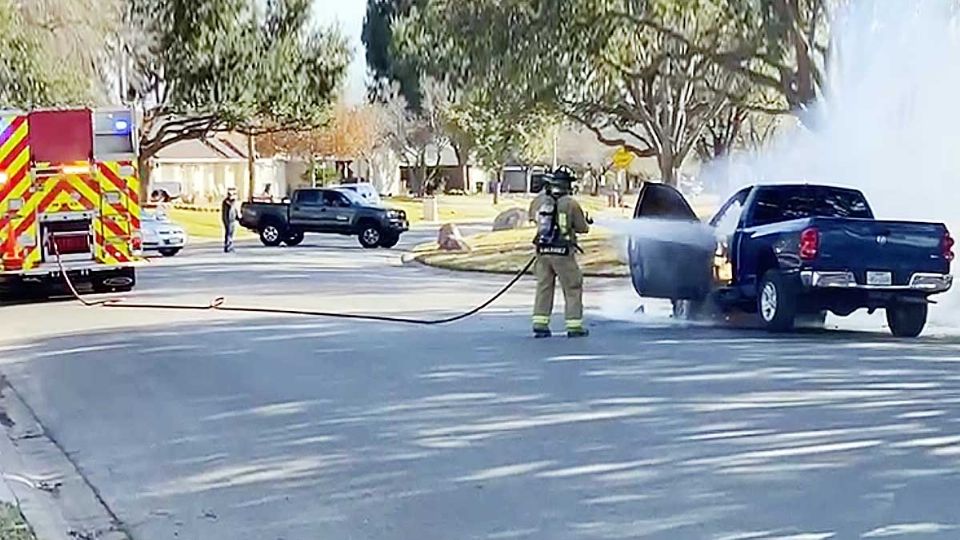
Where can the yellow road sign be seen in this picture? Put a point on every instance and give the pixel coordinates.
(622, 158)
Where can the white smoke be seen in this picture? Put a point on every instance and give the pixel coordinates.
(679, 232)
(889, 124)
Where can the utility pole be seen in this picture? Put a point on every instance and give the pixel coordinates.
(556, 135)
(251, 166)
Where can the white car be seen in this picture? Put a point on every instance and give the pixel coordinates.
(160, 234)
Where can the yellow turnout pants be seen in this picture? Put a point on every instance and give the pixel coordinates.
(548, 269)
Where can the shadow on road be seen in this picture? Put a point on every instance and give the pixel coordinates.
(299, 428)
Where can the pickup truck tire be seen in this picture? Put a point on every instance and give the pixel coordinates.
(907, 320)
(370, 235)
(271, 234)
(776, 302)
(388, 240)
(294, 238)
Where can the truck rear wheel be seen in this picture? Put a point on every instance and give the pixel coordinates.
(271, 235)
(776, 302)
(907, 320)
(370, 235)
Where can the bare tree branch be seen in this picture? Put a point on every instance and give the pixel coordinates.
(616, 142)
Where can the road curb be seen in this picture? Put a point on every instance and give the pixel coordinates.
(51, 492)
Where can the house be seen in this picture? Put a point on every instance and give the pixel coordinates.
(382, 169)
(200, 171)
(446, 171)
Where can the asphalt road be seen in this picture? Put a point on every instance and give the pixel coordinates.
(207, 426)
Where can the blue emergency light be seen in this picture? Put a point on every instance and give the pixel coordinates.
(121, 123)
(113, 133)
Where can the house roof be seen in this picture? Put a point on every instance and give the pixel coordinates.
(218, 147)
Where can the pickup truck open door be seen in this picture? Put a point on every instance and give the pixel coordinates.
(671, 251)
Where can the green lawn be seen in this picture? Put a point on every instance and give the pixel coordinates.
(12, 524)
(456, 208)
(202, 225)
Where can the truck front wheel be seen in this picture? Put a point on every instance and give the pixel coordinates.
(270, 235)
(388, 240)
(370, 235)
(294, 238)
(907, 320)
(776, 302)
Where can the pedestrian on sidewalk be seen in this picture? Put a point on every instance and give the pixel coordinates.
(229, 215)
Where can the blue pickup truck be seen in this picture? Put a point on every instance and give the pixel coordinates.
(789, 253)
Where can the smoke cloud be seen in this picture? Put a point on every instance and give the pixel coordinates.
(889, 122)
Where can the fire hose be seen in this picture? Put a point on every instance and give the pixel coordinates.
(219, 303)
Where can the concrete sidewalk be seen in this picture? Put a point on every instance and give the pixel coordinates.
(39, 479)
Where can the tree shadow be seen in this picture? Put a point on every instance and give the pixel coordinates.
(303, 428)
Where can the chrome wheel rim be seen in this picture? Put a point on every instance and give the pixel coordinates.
(768, 301)
(271, 234)
(371, 236)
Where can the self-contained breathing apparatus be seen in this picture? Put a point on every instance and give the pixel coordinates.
(551, 237)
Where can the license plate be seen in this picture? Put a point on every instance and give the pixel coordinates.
(880, 278)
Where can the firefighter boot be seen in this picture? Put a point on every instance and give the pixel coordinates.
(540, 332)
(577, 332)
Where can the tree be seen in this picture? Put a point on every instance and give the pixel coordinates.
(499, 133)
(777, 45)
(23, 82)
(721, 134)
(414, 135)
(350, 133)
(219, 65)
(387, 66)
(598, 63)
(785, 47)
(55, 53)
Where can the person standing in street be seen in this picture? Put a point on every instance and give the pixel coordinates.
(229, 215)
(559, 219)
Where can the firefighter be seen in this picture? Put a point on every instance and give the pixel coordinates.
(229, 216)
(559, 219)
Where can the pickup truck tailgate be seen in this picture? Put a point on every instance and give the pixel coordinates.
(862, 245)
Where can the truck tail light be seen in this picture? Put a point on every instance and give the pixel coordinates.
(809, 244)
(946, 246)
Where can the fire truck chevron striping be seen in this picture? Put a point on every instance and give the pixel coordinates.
(70, 177)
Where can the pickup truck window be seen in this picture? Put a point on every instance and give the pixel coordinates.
(308, 197)
(728, 218)
(664, 202)
(335, 199)
(784, 203)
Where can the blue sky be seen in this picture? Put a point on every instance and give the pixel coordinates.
(348, 16)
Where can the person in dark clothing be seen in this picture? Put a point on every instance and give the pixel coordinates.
(229, 216)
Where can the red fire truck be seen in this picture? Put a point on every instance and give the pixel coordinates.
(69, 189)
